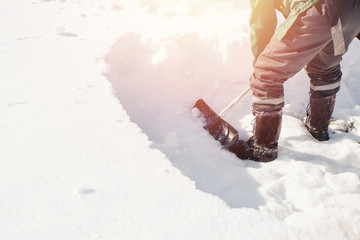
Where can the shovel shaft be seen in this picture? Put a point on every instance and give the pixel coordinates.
(233, 103)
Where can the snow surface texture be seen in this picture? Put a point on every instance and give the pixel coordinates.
(98, 139)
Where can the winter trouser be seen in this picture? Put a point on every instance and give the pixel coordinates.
(309, 42)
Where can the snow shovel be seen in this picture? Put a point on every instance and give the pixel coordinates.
(221, 130)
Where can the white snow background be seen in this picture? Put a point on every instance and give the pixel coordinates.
(98, 139)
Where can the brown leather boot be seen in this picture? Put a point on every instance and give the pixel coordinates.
(263, 145)
(318, 116)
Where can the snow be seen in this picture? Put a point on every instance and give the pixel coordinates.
(98, 138)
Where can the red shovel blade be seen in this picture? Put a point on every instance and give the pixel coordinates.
(221, 130)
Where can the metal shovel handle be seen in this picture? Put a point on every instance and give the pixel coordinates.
(234, 102)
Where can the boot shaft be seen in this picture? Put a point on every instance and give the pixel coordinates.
(318, 116)
(266, 135)
(320, 111)
(267, 128)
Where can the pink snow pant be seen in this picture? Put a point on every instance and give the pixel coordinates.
(308, 43)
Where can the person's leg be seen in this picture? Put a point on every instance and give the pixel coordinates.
(279, 61)
(325, 73)
(325, 79)
(282, 59)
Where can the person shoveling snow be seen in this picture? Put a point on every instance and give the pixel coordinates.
(315, 35)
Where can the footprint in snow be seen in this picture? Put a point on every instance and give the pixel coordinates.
(18, 104)
(60, 31)
(86, 191)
